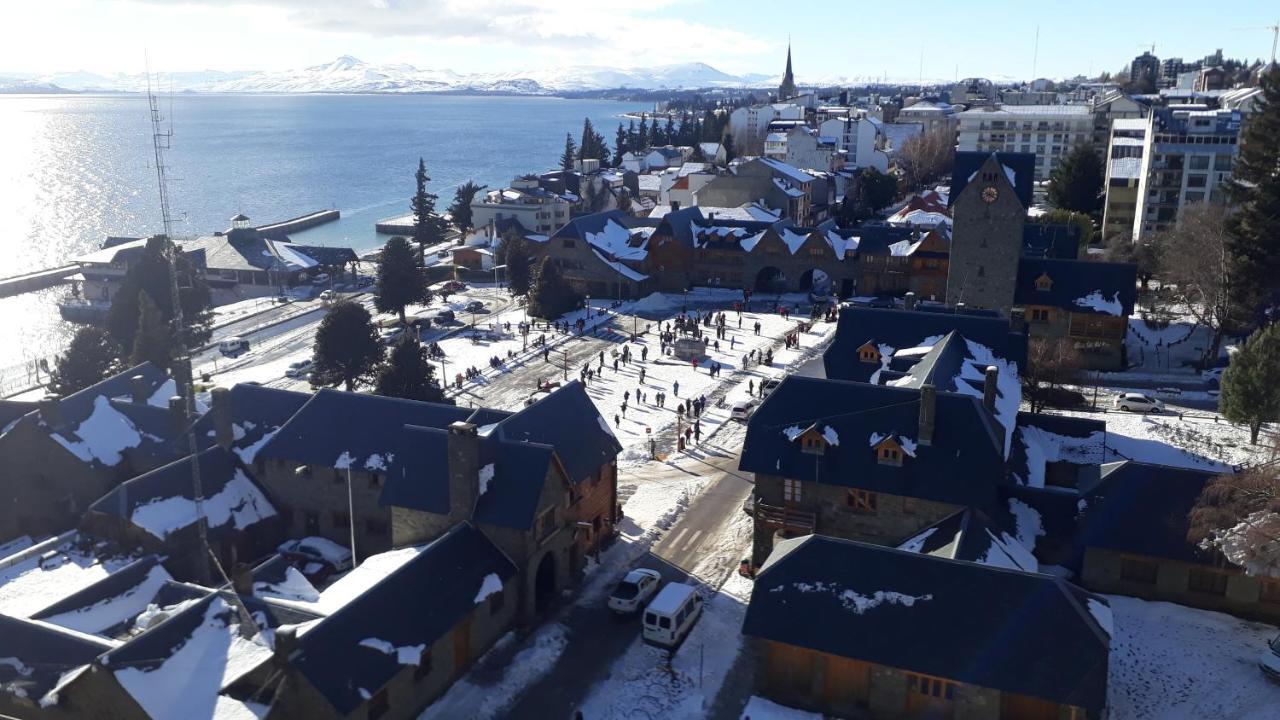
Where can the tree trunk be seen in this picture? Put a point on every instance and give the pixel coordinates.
(1211, 352)
(350, 384)
(1254, 427)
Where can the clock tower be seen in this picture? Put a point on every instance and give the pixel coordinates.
(986, 241)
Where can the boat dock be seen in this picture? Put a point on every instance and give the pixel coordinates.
(298, 224)
(400, 225)
(38, 280)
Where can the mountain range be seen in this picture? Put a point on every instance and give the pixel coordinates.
(347, 74)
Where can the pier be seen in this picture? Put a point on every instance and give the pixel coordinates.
(298, 224)
(38, 280)
(400, 225)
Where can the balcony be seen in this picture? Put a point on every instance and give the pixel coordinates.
(787, 519)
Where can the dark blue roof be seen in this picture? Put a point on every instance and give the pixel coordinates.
(567, 420)
(901, 329)
(511, 499)
(1073, 280)
(78, 406)
(974, 536)
(418, 478)
(1012, 631)
(255, 410)
(965, 437)
(415, 605)
(1060, 241)
(1064, 425)
(45, 652)
(876, 239)
(1142, 509)
(968, 162)
(579, 226)
(127, 581)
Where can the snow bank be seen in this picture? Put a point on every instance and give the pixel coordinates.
(240, 503)
(492, 584)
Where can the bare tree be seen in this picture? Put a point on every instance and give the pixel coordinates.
(1194, 260)
(1051, 362)
(927, 157)
(1239, 516)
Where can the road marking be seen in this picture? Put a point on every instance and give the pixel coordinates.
(693, 540)
(679, 535)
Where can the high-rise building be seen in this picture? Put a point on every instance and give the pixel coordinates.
(788, 87)
(1047, 131)
(1186, 158)
(1144, 73)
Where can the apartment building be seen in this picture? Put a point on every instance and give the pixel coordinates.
(1124, 172)
(1187, 158)
(1047, 131)
(536, 208)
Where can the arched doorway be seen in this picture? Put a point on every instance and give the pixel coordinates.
(544, 583)
(771, 280)
(815, 281)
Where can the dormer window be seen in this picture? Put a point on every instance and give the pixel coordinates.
(869, 353)
(1044, 283)
(889, 452)
(813, 442)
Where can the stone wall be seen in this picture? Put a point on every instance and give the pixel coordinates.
(986, 242)
(1101, 573)
(320, 494)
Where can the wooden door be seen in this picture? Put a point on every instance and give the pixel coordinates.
(848, 682)
(1022, 707)
(461, 647)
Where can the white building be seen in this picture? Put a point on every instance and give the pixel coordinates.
(861, 139)
(749, 125)
(538, 210)
(1186, 158)
(1048, 131)
(933, 116)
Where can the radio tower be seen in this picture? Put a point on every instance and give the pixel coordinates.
(160, 138)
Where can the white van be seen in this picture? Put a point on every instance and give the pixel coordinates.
(233, 346)
(671, 615)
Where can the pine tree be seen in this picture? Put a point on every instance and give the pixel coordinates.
(550, 295)
(90, 358)
(154, 341)
(569, 154)
(619, 145)
(1076, 184)
(633, 138)
(587, 146)
(517, 262)
(601, 149)
(347, 349)
(729, 152)
(460, 210)
(428, 228)
(1253, 233)
(400, 281)
(669, 133)
(150, 275)
(642, 134)
(408, 374)
(1251, 383)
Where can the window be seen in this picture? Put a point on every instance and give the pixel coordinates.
(1044, 283)
(1197, 181)
(546, 523)
(496, 601)
(930, 686)
(791, 490)
(1040, 315)
(378, 705)
(868, 353)
(341, 519)
(1138, 570)
(861, 501)
(909, 506)
(567, 243)
(1199, 162)
(375, 481)
(812, 443)
(1222, 163)
(1270, 591)
(889, 454)
(1207, 582)
(817, 251)
(424, 665)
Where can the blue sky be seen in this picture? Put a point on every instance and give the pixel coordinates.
(831, 39)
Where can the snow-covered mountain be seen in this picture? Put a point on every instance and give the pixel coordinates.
(347, 74)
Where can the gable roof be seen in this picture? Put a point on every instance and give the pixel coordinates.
(1012, 631)
(857, 416)
(411, 607)
(38, 655)
(111, 604)
(1142, 509)
(1079, 286)
(1051, 240)
(1022, 167)
(257, 412)
(971, 535)
(583, 447)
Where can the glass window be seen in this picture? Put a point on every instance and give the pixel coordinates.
(1206, 581)
(791, 490)
(1197, 181)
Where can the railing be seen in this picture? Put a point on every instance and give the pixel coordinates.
(787, 519)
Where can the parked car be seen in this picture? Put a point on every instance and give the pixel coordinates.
(770, 384)
(476, 306)
(670, 617)
(233, 346)
(742, 409)
(392, 336)
(282, 298)
(316, 557)
(364, 281)
(327, 297)
(454, 286)
(1269, 660)
(444, 316)
(881, 301)
(321, 279)
(1137, 402)
(634, 590)
(298, 369)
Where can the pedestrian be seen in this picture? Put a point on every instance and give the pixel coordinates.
(624, 409)
(615, 365)
(644, 353)
(675, 388)
(739, 320)
(716, 345)
(617, 422)
(751, 387)
(688, 435)
(626, 396)
(697, 431)
(653, 449)
(642, 376)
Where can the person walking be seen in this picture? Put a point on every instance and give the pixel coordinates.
(675, 388)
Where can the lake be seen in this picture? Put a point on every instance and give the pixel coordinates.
(77, 168)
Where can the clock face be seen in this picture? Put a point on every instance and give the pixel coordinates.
(989, 194)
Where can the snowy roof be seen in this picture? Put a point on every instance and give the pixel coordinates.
(1007, 630)
(1020, 165)
(623, 270)
(355, 651)
(109, 606)
(790, 191)
(55, 570)
(791, 172)
(1040, 440)
(970, 535)
(1078, 286)
(36, 657)
(257, 412)
(649, 183)
(1066, 111)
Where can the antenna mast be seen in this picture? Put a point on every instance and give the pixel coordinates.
(183, 380)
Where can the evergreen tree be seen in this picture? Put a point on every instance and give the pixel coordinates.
(633, 138)
(619, 145)
(550, 296)
(1251, 383)
(569, 154)
(642, 134)
(347, 349)
(876, 190)
(1253, 232)
(154, 341)
(91, 356)
(428, 228)
(1076, 184)
(708, 130)
(517, 261)
(729, 152)
(587, 145)
(400, 281)
(460, 210)
(669, 133)
(408, 374)
(601, 150)
(150, 275)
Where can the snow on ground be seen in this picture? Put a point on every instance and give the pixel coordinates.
(27, 588)
(760, 709)
(1193, 441)
(542, 649)
(1170, 662)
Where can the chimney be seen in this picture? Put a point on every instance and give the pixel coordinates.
(51, 410)
(286, 644)
(989, 388)
(928, 413)
(180, 371)
(138, 389)
(909, 301)
(959, 308)
(222, 431)
(675, 205)
(464, 470)
(178, 414)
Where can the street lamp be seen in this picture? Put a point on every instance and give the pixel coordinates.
(588, 307)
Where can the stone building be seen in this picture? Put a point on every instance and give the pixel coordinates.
(990, 194)
(892, 634)
(1086, 303)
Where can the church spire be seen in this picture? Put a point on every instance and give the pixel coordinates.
(788, 87)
